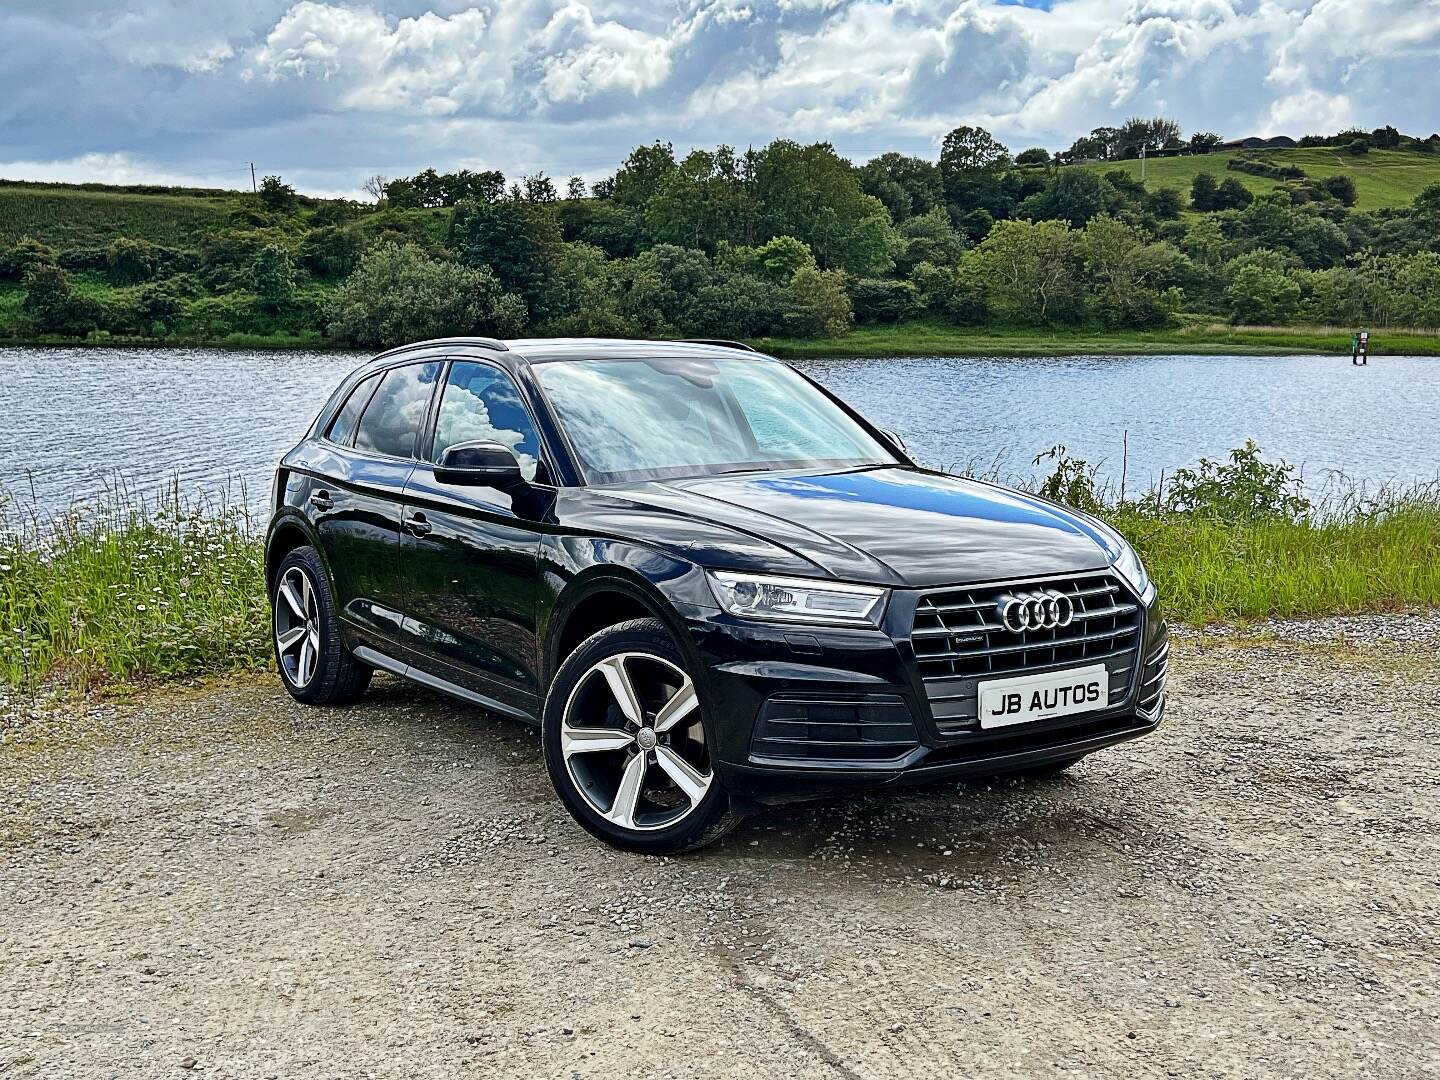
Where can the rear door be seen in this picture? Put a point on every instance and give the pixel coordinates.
(470, 553)
(355, 500)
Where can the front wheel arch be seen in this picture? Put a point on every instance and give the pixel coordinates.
(589, 598)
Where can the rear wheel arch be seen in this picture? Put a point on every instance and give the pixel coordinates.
(284, 538)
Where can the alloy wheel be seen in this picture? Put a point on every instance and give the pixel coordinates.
(297, 627)
(633, 743)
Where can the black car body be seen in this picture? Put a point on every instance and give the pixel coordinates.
(483, 593)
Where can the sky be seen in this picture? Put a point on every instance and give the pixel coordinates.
(327, 93)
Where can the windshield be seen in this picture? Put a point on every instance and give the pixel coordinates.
(656, 419)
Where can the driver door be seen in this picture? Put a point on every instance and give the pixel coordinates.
(471, 553)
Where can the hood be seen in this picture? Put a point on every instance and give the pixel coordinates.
(897, 526)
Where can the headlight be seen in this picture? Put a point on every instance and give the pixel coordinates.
(1129, 566)
(797, 599)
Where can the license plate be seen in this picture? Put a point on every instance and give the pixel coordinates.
(1027, 698)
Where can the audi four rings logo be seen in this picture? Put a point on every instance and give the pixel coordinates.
(1044, 610)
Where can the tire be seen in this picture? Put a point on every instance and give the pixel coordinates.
(592, 742)
(316, 668)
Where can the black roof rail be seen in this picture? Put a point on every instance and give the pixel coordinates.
(721, 342)
(484, 342)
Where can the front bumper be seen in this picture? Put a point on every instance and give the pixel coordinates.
(863, 687)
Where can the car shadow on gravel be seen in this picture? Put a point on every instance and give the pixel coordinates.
(946, 833)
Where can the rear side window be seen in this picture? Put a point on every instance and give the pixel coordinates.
(343, 426)
(392, 419)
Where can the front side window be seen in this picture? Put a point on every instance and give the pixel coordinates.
(393, 418)
(657, 419)
(481, 403)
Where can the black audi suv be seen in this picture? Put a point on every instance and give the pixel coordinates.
(709, 581)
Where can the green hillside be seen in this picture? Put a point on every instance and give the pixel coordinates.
(68, 217)
(1383, 178)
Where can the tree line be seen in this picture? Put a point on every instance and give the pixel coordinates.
(787, 240)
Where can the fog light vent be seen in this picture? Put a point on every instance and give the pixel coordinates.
(807, 728)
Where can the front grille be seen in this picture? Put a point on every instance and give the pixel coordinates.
(960, 641)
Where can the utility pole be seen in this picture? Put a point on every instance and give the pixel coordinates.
(1142, 163)
(255, 187)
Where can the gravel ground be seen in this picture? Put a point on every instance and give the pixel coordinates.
(212, 881)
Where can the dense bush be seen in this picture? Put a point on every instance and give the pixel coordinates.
(1206, 194)
(883, 300)
(331, 250)
(400, 294)
(1245, 488)
(1258, 294)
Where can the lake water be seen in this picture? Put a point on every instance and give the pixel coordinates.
(76, 420)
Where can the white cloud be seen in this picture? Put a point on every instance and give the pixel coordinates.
(332, 89)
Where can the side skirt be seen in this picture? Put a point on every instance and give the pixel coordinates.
(375, 658)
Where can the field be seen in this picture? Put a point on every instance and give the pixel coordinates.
(1383, 178)
(71, 217)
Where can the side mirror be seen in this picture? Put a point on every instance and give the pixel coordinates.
(894, 438)
(479, 464)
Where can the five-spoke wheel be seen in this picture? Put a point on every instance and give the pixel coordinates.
(626, 744)
(633, 742)
(314, 663)
(297, 627)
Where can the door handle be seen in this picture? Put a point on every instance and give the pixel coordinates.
(416, 525)
(320, 500)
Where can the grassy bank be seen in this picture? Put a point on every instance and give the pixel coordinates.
(129, 591)
(132, 592)
(936, 339)
(931, 339)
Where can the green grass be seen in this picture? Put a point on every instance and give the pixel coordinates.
(1383, 178)
(130, 591)
(70, 218)
(937, 339)
(1211, 571)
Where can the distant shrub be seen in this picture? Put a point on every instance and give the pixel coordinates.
(1165, 203)
(53, 307)
(816, 304)
(273, 278)
(1340, 187)
(24, 254)
(882, 300)
(1266, 168)
(1206, 194)
(400, 294)
(951, 293)
(1257, 294)
(331, 251)
(130, 262)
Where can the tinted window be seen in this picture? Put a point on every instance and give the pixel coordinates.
(681, 416)
(481, 403)
(343, 426)
(397, 410)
